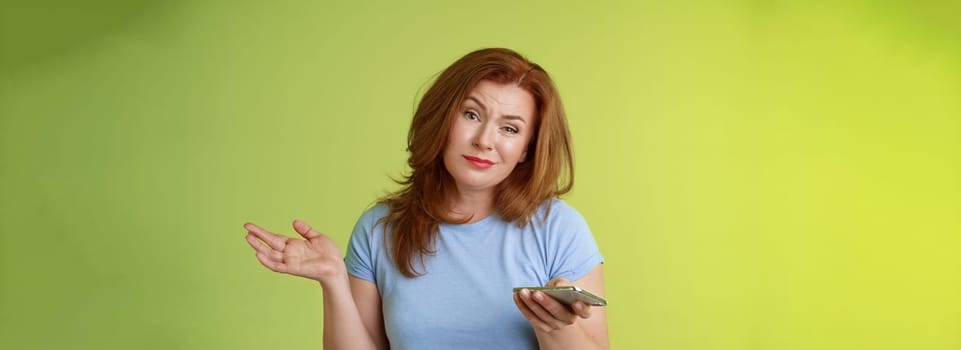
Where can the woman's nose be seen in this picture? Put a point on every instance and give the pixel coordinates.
(483, 139)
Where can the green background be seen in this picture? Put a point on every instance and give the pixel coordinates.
(758, 174)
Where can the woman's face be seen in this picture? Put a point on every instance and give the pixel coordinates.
(490, 135)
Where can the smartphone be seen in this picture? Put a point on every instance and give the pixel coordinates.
(568, 295)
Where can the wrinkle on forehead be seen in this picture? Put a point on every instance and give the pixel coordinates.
(507, 98)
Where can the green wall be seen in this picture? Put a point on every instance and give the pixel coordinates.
(758, 174)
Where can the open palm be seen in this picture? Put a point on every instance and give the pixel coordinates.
(315, 257)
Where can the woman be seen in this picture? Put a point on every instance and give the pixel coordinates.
(433, 265)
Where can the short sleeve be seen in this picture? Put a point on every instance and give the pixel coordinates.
(574, 250)
(360, 249)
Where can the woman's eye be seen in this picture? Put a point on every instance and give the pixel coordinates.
(471, 115)
(510, 129)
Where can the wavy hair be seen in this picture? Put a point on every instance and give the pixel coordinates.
(423, 202)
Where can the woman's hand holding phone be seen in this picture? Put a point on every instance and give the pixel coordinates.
(546, 313)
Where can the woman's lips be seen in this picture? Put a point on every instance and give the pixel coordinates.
(479, 162)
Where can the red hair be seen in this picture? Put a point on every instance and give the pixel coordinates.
(416, 211)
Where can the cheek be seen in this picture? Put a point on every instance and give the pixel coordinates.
(459, 132)
(515, 150)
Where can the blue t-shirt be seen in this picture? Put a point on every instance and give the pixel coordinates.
(465, 298)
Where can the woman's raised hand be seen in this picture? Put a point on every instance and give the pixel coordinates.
(315, 257)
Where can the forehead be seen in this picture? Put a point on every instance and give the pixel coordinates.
(503, 99)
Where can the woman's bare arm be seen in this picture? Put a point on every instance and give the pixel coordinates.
(352, 316)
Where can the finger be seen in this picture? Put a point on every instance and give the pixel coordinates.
(262, 248)
(271, 264)
(305, 230)
(257, 244)
(581, 309)
(529, 314)
(558, 311)
(558, 282)
(538, 310)
(275, 241)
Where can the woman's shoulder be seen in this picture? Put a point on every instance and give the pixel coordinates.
(376, 211)
(556, 205)
(372, 215)
(556, 210)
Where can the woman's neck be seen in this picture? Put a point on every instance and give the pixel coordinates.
(474, 206)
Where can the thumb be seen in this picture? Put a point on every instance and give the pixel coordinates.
(558, 282)
(305, 230)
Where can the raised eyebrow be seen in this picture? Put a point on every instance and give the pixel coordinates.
(482, 106)
(478, 102)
